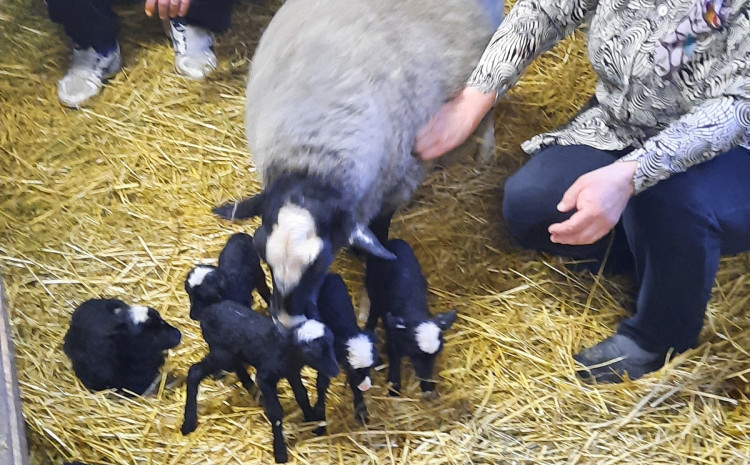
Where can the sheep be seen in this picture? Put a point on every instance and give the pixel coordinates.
(355, 348)
(238, 273)
(113, 345)
(397, 290)
(336, 94)
(238, 337)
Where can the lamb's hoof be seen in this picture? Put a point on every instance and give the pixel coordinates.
(362, 415)
(393, 392)
(321, 429)
(188, 427)
(430, 396)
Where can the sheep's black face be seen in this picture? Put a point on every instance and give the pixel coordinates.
(361, 355)
(315, 342)
(205, 285)
(148, 333)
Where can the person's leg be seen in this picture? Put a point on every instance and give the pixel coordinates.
(95, 54)
(531, 198)
(192, 37)
(677, 231)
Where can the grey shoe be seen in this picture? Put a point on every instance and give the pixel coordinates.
(608, 361)
(86, 75)
(193, 49)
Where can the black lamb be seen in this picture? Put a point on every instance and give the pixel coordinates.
(355, 348)
(398, 294)
(117, 346)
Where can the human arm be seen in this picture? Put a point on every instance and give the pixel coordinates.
(167, 8)
(600, 197)
(531, 28)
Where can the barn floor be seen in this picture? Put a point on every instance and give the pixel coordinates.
(114, 200)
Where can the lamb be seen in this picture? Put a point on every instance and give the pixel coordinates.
(355, 348)
(113, 345)
(398, 294)
(336, 94)
(238, 273)
(238, 337)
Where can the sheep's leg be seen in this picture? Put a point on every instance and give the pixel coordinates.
(321, 385)
(300, 393)
(275, 414)
(394, 371)
(360, 409)
(380, 226)
(196, 374)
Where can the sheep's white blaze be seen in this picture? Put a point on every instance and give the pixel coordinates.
(359, 352)
(292, 245)
(365, 384)
(198, 274)
(138, 314)
(310, 330)
(428, 337)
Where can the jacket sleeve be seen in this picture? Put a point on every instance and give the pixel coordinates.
(531, 28)
(714, 127)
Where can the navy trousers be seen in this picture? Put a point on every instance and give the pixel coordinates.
(674, 231)
(93, 23)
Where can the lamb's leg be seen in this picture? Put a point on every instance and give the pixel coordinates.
(196, 374)
(360, 409)
(380, 226)
(321, 385)
(244, 378)
(275, 414)
(261, 285)
(394, 371)
(300, 393)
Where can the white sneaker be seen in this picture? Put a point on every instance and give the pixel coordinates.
(193, 49)
(86, 75)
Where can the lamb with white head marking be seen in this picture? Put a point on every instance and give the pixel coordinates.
(336, 94)
(355, 348)
(113, 345)
(398, 294)
(238, 337)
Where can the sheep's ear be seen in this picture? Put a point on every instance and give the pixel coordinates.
(247, 208)
(395, 322)
(445, 320)
(362, 238)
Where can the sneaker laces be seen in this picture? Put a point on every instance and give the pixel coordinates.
(190, 38)
(85, 61)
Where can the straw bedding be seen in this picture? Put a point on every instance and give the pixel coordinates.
(114, 200)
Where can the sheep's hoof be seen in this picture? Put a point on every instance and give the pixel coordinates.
(362, 415)
(320, 430)
(430, 396)
(394, 391)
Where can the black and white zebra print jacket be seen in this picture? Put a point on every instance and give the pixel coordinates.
(674, 76)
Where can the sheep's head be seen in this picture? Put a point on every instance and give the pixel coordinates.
(144, 333)
(421, 341)
(315, 343)
(304, 223)
(205, 285)
(361, 355)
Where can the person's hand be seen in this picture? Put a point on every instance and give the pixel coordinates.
(167, 8)
(599, 198)
(456, 120)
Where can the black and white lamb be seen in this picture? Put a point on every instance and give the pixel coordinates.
(238, 337)
(336, 94)
(240, 263)
(355, 348)
(398, 294)
(113, 345)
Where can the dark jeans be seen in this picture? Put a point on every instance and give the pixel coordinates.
(676, 231)
(92, 23)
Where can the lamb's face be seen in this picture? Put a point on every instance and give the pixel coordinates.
(315, 342)
(147, 331)
(205, 285)
(298, 258)
(361, 355)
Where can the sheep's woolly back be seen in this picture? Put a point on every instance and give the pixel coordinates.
(339, 88)
(310, 330)
(292, 246)
(198, 274)
(360, 352)
(427, 335)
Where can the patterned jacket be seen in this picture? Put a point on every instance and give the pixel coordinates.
(674, 76)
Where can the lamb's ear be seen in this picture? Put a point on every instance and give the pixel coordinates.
(247, 208)
(396, 322)
(445, 320)
(362, 238)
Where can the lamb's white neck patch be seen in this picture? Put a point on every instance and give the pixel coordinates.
(198, 274)
(428, 337)
(290, 321)
(292, 245)
(310, 330)
(359, 352)
(138, 314)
